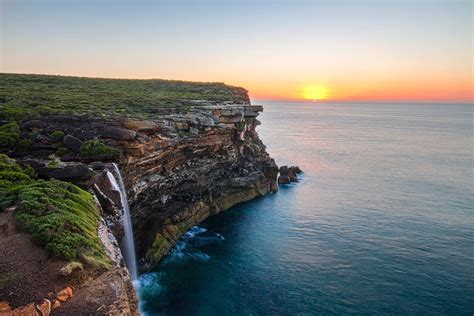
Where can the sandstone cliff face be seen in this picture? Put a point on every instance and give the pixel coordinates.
(200, 164)
(178, 170)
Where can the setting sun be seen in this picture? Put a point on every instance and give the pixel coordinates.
(315, 93)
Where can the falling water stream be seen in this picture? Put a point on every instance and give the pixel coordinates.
(127, 245)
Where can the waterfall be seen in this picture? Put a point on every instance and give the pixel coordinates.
(127, 245)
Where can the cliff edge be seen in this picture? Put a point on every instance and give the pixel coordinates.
(184, 150)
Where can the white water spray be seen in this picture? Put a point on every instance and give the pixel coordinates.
(127, 245)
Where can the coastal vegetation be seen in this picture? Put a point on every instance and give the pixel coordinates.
(30, 96)
(58, 215)
(95, 147)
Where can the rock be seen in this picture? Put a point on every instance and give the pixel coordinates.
(146, 127)
(86, 135)
(295, 169)
(248, 113)
(4, 307)
(283, 180)
(34, 163)
(105, 202)
(45, 307)
(288, 175)
(231, 119)
(72, 143)
(254, 108)
(69, 291)
(70, 268)
(182, 126)
(118, 133)
(103, 182)
(28, 310)
(64, 295)
(34, 124)
(193, 130)
(55, 304)
(285, 175)
(68, 173)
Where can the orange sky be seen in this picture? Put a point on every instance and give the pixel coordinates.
(350, 50)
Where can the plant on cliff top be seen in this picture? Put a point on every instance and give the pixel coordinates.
(96, 147)
(30, 96)
(57, 135)
(9, 134)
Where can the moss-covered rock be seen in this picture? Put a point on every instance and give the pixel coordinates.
(58, 215)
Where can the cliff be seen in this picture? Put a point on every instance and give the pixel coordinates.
(185, 151)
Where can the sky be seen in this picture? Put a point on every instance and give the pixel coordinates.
(341, 50)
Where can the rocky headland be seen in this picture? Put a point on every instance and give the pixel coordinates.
(185, 151)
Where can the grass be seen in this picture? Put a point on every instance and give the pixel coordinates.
(58, 215)
(23, 96)
(96, 147)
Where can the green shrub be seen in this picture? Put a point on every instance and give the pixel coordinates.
(61, 151)
(9, 134)
(58, 215)
(53, 164)
(57, 134)
(96, 147)
(24, 144)
(30, 96)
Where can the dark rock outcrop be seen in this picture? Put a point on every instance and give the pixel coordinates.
(72, 143)
(288, 175)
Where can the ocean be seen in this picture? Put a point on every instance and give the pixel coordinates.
(381, 222)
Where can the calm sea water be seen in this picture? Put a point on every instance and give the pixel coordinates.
(382, 222)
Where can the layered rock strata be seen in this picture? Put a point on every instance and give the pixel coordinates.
(178, 169)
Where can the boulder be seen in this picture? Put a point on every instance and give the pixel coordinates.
(118, 133)
(55, 304)
(104, 185)
(4, 307)
(72, 143)
(283, 180)
(68, 173)
(295, 169)
(288, 175)
(146, 127)
(64, 294)
(86, 135)
(45, 307)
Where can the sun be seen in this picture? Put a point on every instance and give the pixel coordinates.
(315, 93)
